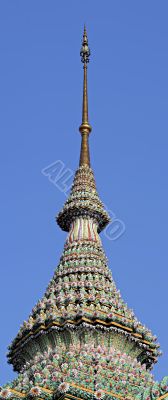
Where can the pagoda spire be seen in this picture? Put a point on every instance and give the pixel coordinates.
(81, 326)
(85, 127)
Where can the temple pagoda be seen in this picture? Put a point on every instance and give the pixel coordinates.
(81, 341)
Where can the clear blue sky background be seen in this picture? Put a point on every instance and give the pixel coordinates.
(40, 107)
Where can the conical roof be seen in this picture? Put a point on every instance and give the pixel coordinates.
(82, 291)
(83, 201)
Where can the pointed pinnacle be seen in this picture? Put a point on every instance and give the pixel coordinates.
(85, 127)
(85, 51)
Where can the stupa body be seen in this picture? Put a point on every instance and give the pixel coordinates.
(81, 340)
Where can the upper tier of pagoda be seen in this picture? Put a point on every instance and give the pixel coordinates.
(82, 294)
(84, 200)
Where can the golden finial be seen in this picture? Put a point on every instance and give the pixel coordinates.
(85, 127)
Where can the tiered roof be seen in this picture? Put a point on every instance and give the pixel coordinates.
(81, 339)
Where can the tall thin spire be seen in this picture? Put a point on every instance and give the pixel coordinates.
(85, 127)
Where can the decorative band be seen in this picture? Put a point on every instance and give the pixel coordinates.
(83, 229)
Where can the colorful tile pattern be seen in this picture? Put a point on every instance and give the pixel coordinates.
(81, 337)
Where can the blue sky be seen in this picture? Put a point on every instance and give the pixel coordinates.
(40, 103)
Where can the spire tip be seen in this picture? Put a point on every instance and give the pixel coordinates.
(85, 51)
